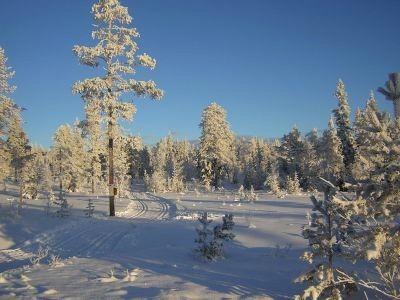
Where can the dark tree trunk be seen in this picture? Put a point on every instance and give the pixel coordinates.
(93, 183)
(112, 191)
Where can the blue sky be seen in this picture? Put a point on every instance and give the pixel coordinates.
(271, 64)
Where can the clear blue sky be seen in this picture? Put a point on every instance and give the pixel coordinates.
(271, 64)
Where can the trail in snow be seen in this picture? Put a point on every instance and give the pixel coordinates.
(82, 237)
(147, 206)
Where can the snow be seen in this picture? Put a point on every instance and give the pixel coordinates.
(146, 251)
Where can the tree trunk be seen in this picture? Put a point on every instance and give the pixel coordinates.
(111, 165)
(92, 185)
(396, 104)
(216, 174)
(92, 177)
(329, 274)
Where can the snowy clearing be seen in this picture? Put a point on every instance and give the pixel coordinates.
(147, 250)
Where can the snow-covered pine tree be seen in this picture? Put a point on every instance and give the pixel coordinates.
(291, 153)
(241, 193)
(372, 228)
(186, 154)
(89, 211)
(5, 163)
(251, 195)
(293, 184)
(273, 183)
(222, 233)
(155, 182)
(20, 150)
(344, 128)
(64, 209)
(211, 242)
(311, 160)
(8, 110)
(69, 156)
(35, 175)
(176, 183)
(168, 160)
(122, 178)
(257, 161)
(331, 158)
(7, 106)
(216, 153)
(323, 233)
(371, 126)
(92, 130)
(134, 145)
(116, 52)
(205, 238)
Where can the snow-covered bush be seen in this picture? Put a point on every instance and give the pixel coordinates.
(241, 193)
(41, 254)
(251, 195)
(55, 261)
(210, 242)
(247, 195)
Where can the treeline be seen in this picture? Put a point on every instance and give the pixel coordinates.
(78, 159)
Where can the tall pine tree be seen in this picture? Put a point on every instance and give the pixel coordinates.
(116, 52)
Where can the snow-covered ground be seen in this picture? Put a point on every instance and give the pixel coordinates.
(147, 250)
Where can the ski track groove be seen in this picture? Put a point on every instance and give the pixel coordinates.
(89, 240)
(160, 212)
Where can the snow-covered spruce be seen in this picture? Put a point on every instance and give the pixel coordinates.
(324, 234)
(64, 209)
(344, 129)
(293, 184)
(216, 152)
(211, 242)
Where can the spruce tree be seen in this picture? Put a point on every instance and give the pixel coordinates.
(7, 106)
(116, 52)
(372, 227)
(291, 153)
(344, 129)
(273, 183)
(331, 158)
(323, 232)
(7, 110)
